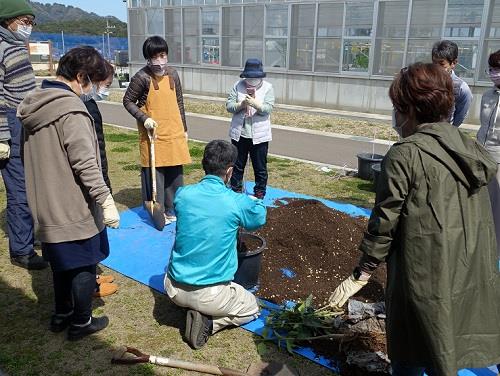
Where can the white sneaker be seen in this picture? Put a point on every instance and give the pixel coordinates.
(170, 218)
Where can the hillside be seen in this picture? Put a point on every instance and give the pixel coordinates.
(76, 20)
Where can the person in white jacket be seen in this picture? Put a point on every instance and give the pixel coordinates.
(489, 134)
(251, 101)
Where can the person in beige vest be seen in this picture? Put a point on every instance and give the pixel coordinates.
(154, 98)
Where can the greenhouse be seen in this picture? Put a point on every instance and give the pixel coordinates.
(333, 54)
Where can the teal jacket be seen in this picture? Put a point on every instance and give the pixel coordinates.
(208, 217)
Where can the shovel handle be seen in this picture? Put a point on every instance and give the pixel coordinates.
(198, 367)
(119, 358)
(152, 135)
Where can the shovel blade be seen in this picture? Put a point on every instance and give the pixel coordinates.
(156, 214)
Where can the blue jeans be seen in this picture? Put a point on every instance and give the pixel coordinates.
(401, 369)
(19, 219)
(258, 156)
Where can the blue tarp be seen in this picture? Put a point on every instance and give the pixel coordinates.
(142, 253)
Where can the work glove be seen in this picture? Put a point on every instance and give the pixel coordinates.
(241, 105)
(345, 290)
(255, 103)
(111, 216)
(150, 124)
(4, 150)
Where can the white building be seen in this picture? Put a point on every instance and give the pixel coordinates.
(331, 54)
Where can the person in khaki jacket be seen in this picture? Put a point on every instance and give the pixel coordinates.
(154, 98)
(70, 202)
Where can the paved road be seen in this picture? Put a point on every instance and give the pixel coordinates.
(309, 146)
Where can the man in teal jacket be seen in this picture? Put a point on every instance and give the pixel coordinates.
(204, 258)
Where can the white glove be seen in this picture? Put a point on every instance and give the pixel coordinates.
(255, 103)
(111, 216)
(4, 150)
(345, 290)
(186, 135)
(150, 124)
(241, 105)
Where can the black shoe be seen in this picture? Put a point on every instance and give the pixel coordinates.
(198, 328)
(78, 332)
(30, 262)
(59, 322)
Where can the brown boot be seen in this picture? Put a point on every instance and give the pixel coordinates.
(101, 278)
(105, 289)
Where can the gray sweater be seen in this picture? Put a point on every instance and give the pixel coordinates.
(64, 183)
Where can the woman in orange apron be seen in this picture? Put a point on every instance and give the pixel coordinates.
(154, 98)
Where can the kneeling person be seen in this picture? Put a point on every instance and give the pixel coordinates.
(204, 258)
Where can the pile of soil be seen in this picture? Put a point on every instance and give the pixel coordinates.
(311, 249)
(319, 246)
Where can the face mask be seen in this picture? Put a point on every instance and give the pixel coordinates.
(395, 126)
(91, 94)
(158, 66)
(23, 31)
(495, 76)
(253, 81)
(102, 94)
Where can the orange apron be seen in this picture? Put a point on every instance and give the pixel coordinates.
(171, 148)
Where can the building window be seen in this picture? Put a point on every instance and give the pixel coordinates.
(492, 37)
(426, 26)
(173, 34)
(253, 32)
(154, 21)
(357, 37)
(302, 37)
(137, 22)
(210, 35)
(390, 39)
(191, 51)
(231, 36)
(276, 40)
(329, 37)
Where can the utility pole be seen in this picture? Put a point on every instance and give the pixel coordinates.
(108, 31)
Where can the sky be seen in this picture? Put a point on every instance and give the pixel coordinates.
(115, 8)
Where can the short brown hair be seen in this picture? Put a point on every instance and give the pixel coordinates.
(494, 60)
(85, 60)
(424, 89)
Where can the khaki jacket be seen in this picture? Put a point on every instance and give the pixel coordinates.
(64, 182)
(432, 224)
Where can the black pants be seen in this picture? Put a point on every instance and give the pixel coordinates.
(258, 156)
(168, 180)
(73, 290)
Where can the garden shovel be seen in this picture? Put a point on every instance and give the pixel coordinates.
(153, 207)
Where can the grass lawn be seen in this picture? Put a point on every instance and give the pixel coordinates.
(139, 316)
(298, 119)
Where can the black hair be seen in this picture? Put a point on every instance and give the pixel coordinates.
(445, 50)
(494, 60)
(85, 60)
(219, 155)
(154, 45)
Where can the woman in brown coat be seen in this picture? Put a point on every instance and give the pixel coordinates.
(154, 98)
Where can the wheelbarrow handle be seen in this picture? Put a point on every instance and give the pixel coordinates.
(119, 358)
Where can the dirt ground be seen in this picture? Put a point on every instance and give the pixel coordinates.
(312, 249)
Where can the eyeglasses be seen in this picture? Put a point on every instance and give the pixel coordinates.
(27, 21)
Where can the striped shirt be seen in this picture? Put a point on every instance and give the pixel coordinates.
(16, 80)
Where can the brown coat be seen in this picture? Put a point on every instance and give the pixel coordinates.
(137, 93)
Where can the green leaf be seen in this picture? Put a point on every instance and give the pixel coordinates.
(262, 348)
(289, 345)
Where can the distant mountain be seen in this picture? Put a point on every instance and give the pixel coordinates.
(76, 20)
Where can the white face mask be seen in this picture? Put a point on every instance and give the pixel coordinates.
(158, 65)
(90, 94)
(253, 81)
(395, 126)
(102, 94)
(23, 31)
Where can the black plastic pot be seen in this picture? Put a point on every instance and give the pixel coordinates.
(249, 260)
(376, 174)
(365, 163)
